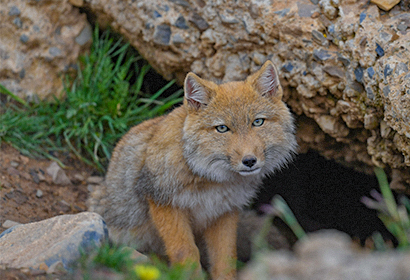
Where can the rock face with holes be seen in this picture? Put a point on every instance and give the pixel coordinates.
(40, 40)
(344, 64)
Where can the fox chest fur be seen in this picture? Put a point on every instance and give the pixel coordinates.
(206, 159)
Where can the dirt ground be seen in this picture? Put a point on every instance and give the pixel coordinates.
(28, 193)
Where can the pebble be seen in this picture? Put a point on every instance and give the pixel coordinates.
(181, 23)
(41, 177)
(14, 164)
(77, 3)
(85, 36)
(199, 22)
(177, 39)
(25, 175)
(17, 21)
(54, 51)
(288, 67)
(387, 71)
(182, 3)
(386, 5)
(79, 177)
(13, 171)
(358, 72)
(5, 184)
(14, 11)
(39, 193)
(321, 54)
(362, 17)
(370, 72)
(402, 27)
(34, 176)
(24, 38)
(58, 174)
(24, 159)
(379, 50)
(162, 34)
(95, 180)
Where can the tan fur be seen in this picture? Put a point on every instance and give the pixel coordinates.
(176, 179)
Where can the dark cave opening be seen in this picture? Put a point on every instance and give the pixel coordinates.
(323, 194)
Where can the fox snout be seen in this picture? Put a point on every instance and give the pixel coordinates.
(250, 164)
(249, 160)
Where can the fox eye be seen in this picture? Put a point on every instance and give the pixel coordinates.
(222, 128)
(258, 122)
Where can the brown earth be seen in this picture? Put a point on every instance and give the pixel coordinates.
(22, 177)
(20, 180)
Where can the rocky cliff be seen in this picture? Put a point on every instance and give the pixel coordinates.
(344, 64)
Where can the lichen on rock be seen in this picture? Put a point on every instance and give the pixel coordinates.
(40, 40)
(343, 64)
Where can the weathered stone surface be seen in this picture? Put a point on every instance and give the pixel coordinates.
(386, 5)
(344, 64)
(328, 255)
(50, 241)
(40, 40)
(58, 174)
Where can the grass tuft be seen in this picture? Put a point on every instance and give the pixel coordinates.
(394, 216)
(100, 105)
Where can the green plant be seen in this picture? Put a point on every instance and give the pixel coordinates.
(115, 257)
(394, 216)
(118, 261)
(277, 208)
(100, 105)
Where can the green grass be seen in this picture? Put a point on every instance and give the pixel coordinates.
(396, 217)
(100, 105)
(118, 260)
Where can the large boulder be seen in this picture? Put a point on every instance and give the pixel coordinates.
(40, 41)
(344, 64)
(60, 239)
(328, 254)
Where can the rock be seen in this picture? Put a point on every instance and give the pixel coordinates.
(13, 171)
(38, 43)
(14, 164)
(47, 242)
(95, 180)
(78, 177)
(346, 52)
(35, 176)
(24, 159)
(386, 5)
(9, 224)
(57, 268)
(77, 3)
(39, 193)
(328, 254)
(58, 174)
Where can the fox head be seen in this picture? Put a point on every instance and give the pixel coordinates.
(237, 128)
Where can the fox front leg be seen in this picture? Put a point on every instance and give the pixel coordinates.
(220, 238)
(175, 230)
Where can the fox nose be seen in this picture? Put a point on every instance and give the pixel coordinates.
(249, 161)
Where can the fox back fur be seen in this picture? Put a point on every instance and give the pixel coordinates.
(183, 178)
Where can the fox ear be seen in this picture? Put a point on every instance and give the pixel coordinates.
(196, 93)
(267, 82)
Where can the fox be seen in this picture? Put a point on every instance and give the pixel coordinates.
(180, 180)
